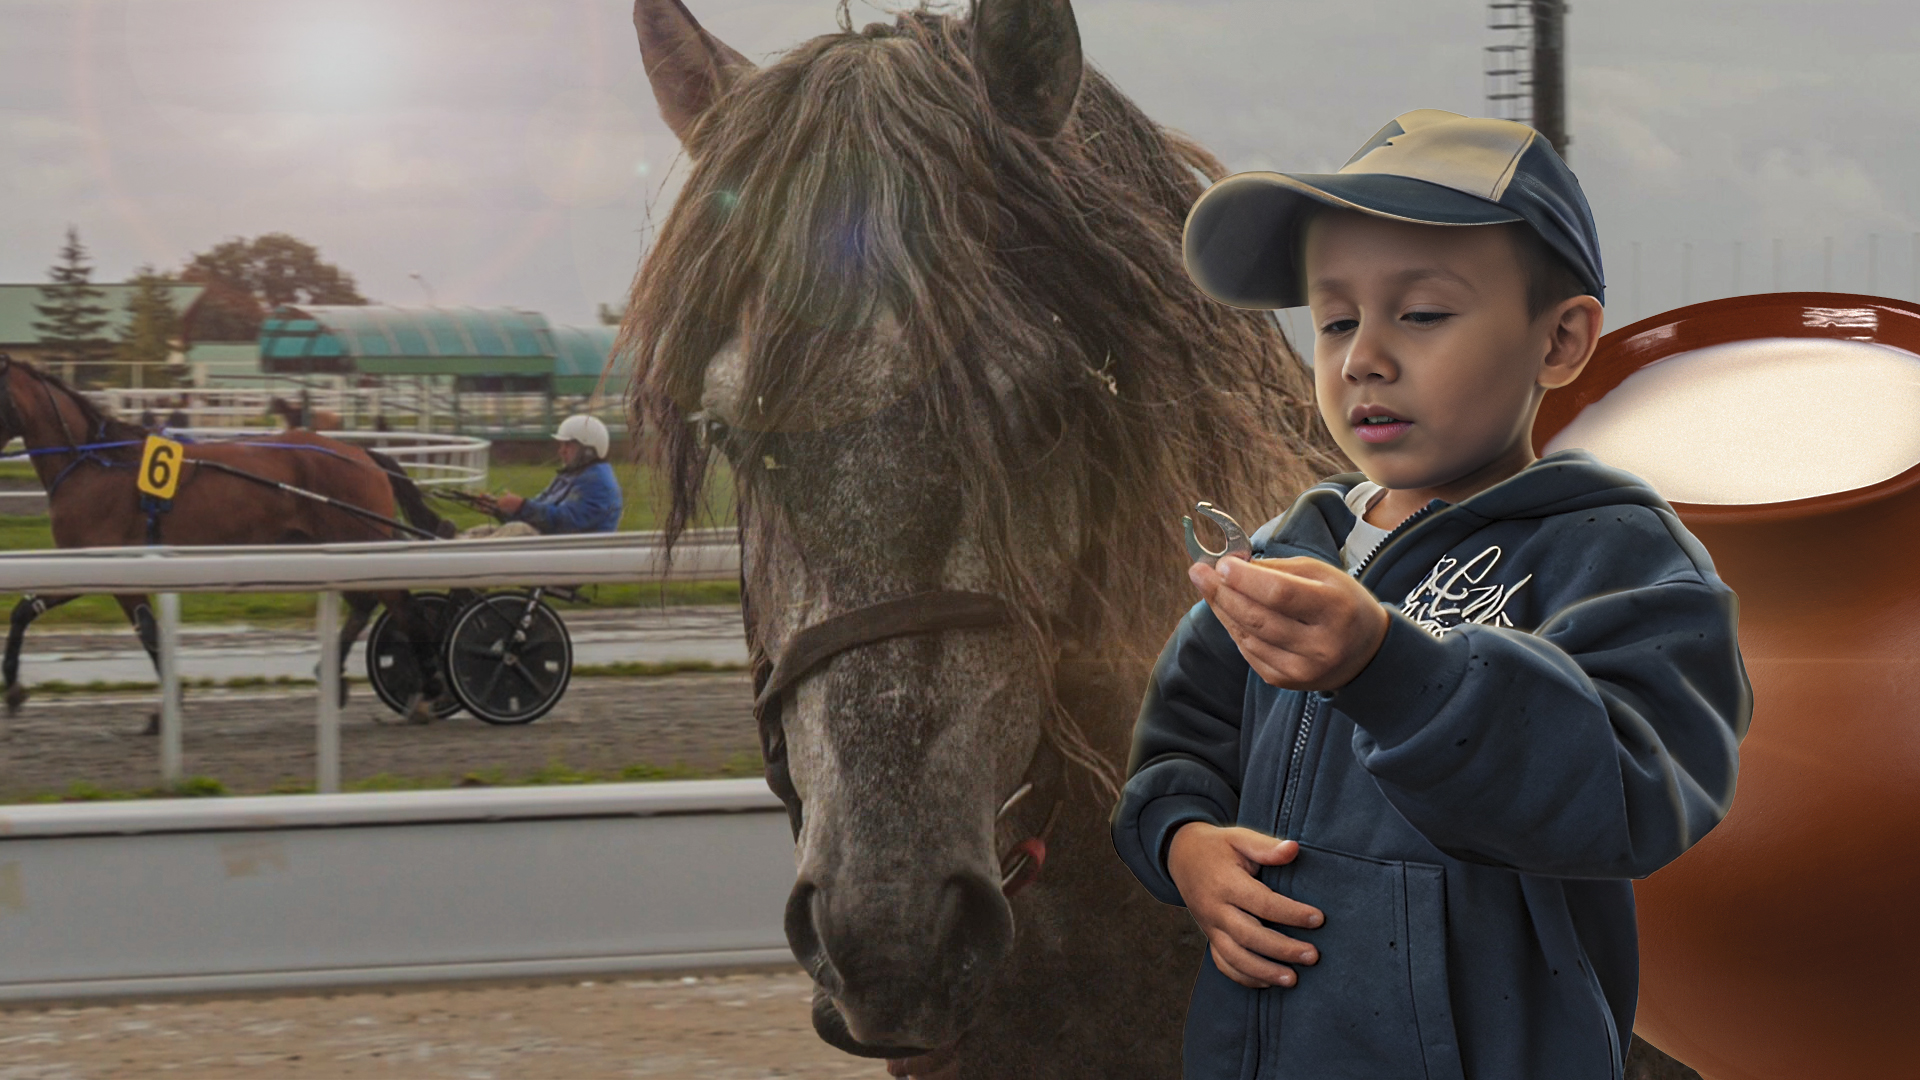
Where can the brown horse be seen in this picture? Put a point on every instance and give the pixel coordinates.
(87, 463)
(304, 415)
(923, 290)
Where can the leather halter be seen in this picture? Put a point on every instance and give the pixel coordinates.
(812, 646)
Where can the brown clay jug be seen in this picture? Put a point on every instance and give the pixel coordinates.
(1786, 943)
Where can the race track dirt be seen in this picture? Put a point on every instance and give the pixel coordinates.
(733, 1026)
(255, 741)
(740, 1026)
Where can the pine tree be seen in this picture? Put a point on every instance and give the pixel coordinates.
(73, 323)
(153, 327)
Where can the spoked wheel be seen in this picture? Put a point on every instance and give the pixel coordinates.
(508, 657)
(390, 664)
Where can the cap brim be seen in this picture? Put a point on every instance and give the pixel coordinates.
(1242, 237)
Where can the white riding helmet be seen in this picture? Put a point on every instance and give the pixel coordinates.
(586, 430)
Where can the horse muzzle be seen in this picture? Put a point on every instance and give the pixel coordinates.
(898, 975)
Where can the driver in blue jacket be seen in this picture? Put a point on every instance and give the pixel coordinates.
(583, 498)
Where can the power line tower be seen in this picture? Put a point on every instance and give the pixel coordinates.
(1526, 73)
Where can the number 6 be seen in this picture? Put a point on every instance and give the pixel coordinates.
(160, 467)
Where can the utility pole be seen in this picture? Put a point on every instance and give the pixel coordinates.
(1527, 74)
(1550, 72)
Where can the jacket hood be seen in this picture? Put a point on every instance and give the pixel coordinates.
(1562, 482)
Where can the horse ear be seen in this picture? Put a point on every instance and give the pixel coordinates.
(1028, 54)
(688, 67)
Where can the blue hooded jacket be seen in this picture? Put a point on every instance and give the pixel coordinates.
(584, 500)
(1555, 710)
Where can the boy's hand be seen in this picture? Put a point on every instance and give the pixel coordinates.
(1214, 870)
(1301, 624)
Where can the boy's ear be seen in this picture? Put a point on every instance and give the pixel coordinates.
(1575, 327)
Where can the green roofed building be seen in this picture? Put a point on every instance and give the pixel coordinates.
(582, 354)
(455, 351)
(19, 311)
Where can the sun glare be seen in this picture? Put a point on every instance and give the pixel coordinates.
(337, 61)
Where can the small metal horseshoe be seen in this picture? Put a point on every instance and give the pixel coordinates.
(1237, 544)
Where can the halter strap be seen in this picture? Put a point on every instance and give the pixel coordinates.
(920, 613)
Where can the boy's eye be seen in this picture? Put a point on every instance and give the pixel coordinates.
(1427, 318)
(1339, 326)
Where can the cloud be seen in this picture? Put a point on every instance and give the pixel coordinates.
(379, 167)
(582, 148)
(495, 145)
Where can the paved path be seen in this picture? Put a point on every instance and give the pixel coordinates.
(709, 1027)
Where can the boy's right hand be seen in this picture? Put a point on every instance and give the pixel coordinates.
(1214, 869)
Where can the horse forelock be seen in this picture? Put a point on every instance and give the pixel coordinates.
(867, 173)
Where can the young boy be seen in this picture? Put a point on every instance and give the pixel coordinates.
(1522, 691)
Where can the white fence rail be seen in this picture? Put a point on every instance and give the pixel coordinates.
(287, 892)
(417, 405)
(536, 560)
(222, 407)
(330, 569)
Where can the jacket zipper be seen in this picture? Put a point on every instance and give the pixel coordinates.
(1391, 537)
(1309, 713)
(1311, 704)
(1310, 707)
(1266, 1029)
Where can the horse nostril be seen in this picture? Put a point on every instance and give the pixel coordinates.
(976, 925)
(804, 911)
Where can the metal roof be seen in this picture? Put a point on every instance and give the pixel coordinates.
(583, 353)
(380, 340)
(18, 314)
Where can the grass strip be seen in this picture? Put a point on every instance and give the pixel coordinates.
(282, 610)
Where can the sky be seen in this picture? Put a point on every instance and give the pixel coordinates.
(508, 152)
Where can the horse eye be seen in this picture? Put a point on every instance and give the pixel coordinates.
(710, 432)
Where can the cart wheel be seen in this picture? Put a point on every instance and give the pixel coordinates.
(508, 658)
(390, 666)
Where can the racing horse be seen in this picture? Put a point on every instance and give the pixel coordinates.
(304, 415)
(227, 494)
(922, 290)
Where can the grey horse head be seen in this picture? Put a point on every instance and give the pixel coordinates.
(921, 292)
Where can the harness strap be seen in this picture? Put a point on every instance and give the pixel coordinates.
(84, 448)
(153, 508)
(292, 446)
(79, 460)
(357, 511)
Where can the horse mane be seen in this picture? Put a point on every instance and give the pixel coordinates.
(99, 426)
(867, 171)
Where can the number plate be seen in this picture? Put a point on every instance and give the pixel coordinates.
(160, 467)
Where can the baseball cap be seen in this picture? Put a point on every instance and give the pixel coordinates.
(1242, 239)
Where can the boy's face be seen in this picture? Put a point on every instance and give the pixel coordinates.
(1428, 324)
